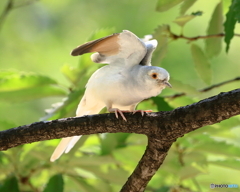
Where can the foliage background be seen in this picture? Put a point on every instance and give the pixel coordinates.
(37, 71)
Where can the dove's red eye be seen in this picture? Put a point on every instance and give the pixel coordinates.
(154, 75)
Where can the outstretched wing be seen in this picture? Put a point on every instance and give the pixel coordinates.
(105, 45)
(119, 49)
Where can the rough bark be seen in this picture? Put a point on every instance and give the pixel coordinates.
(162, 129)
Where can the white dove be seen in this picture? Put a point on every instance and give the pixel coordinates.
(120, 86)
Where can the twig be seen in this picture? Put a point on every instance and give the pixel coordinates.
(180, 153)
(9, 7)
(26, 181)
(205, 89)
(219, 84)
(6, 11)
(174, 36)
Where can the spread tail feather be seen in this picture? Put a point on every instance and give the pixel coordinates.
(66, 144)
(71, 144)
(60, 148)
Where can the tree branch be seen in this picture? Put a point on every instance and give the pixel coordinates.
(175, 124)
(162, 129)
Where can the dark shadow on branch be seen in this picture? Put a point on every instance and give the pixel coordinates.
(161, 128)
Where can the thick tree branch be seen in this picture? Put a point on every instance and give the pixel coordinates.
(176, 123)
(148, 165)
(162, 129)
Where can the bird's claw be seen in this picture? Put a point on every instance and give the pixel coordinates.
(116, 111)
(142, 111)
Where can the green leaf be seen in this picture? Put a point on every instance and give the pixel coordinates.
(93, 161)
(196, 159)
(12, 81)
(164, 5)
(212, 145)
(111, 141)
(236, 4)
(202, 65)
(19, 86)
(103, 185)
(71, 73)
(55, 183)
(32, 93)
(186, 5)
(108, 143)
(66, 108)
(189, 171)
(182, 20)
(161, 34)
(229, 163)
(110, 174)
(83, 186)
(229, 25)
(133, 152)
(10, 184)
(122, 175)
(121, 139)
(162, 105)
(213, 45)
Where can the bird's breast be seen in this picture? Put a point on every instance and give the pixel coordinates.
(113, 85)
(114, 89)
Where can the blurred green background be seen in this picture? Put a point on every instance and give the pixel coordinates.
(37, 71)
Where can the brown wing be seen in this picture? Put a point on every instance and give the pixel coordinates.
(106, 46)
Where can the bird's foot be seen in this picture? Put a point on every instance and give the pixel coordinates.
(142, 111)
(116, 111)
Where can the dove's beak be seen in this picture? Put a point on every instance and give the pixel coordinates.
(167, 84)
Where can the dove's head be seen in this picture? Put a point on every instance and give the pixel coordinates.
(155, 79)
